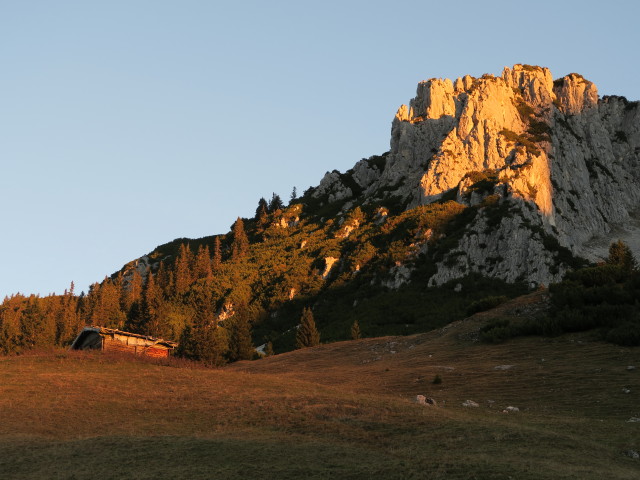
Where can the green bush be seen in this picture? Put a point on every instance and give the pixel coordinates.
(627, 334)
(497, 331)
(486, 303)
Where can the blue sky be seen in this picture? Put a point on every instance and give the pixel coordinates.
(126, 124)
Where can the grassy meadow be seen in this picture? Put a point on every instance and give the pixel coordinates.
(343, 410)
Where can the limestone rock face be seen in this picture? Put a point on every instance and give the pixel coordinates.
(567, 162)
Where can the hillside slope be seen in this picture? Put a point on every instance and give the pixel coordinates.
(562, 162)
(342, 410)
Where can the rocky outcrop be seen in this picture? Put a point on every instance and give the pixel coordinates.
(564, 162)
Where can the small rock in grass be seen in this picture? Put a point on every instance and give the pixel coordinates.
(626, 390)
(632, 454)
(631, 367)
(421, 400)
(469, 403)
(511, 410)
(503, 367)
(633, 420)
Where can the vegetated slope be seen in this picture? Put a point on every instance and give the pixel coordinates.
(343, 410)
(502, 178)
(492, 185)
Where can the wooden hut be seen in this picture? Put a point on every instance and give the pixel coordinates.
(112, 340)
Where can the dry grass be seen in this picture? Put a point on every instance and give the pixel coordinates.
(337, 411)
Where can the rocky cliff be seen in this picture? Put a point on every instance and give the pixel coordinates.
(551, 168)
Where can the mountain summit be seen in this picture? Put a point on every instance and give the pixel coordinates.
(561, 163)
(493, 186)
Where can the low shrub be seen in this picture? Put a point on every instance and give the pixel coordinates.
(486, 303)
(497, 331)
(627, 334)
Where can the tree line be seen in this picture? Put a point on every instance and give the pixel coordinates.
(198, 298)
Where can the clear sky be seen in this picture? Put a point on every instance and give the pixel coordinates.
(126, 124)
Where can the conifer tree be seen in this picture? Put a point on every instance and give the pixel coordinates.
(37, 329)
(182, 270)
(67, 322)
(355, 330)
(294, 195)
(262, 211)
(307, 334)
(104, 305)
(162, 279)
(240, 343)
(133, 292)
(10, 334)
(216, 261)
(620, 254)
(151, 303)
(205, 341)
(268, 350)
(275, 203)
(203, 263)
(240, 245)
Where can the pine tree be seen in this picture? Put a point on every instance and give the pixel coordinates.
(151, 303)
(216, 261)
(203, 263)
(240, 343)
(294, 195)
(134, 291)
(163, 279)
(262, 211)
(10, 333)
(275, 203)
(182, 270)
(37, 328)
(240, 245)
(307, 334)
(355, 330)
(67, 322)
(205, 341)
(104, 305)
(620, 254)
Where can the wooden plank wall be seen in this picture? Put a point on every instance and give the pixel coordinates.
(114, 345)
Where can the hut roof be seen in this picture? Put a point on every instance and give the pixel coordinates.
(104, 331)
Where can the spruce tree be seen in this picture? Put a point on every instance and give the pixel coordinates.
(216, 261)
(11, 337)
(307, 334)
(294, 195)
(240, 343)
(261, 211)
(183, 270)
(203, 263)
(67, 322)
(162, 279)
(275, 203)
(620, 254)
(133, 292)
(151, 303)
(240, 245)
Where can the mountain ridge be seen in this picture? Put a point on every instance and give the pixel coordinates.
(493, 186)
(551, 143)
(513, 178)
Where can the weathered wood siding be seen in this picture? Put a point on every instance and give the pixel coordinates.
(121, 343)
